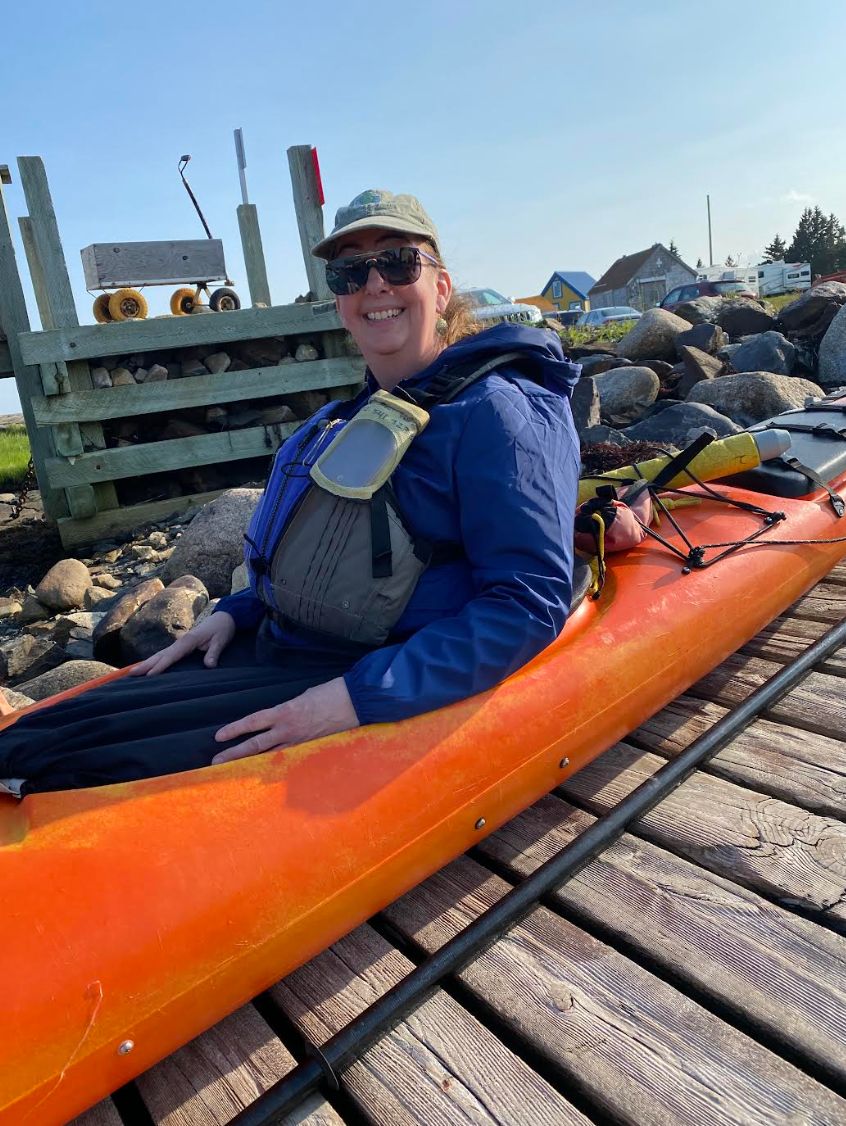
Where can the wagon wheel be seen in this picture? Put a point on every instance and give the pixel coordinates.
(128, 305)
(101, 309)
(224, 300)
(182, 302)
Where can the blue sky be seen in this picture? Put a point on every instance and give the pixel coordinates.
(539, 137)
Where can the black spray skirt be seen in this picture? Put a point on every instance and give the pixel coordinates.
(141, 727)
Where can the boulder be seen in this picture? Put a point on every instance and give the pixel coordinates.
(661, 368)
(832, 361)
(742, 316)
(813, 312)
(218, 362)
(766, 351)
(213, 544)
(9, 607)
(591, 348)
(595, 365)
(680, 423)
(64, 585)
(698, 365)
(159, 622)
(584, 403)
(753, 396)
(706, 337)
(68, 675)
(262, 353)
(603, 434)
(624, 393)
(32, 611)
(652, 337)
(240, 579)
(702, 310)
(107, 630)
(27, 656)
(17, 700)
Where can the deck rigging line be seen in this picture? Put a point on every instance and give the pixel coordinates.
(348, 1045)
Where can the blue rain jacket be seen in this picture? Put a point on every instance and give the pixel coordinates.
(496, 471)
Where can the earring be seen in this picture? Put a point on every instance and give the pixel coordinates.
(441, 326)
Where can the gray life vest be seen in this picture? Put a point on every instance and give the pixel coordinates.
(347, 567)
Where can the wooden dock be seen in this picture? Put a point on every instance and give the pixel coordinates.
(694, 973)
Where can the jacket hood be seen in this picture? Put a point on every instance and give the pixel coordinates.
(542, 357)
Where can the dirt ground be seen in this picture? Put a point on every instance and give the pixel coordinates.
(28, 549)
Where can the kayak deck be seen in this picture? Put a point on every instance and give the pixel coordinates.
(692, 973)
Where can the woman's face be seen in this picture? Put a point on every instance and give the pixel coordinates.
(394, 326)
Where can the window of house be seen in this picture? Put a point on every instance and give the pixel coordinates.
(556, 290)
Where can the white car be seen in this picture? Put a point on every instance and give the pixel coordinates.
(490, 306)
(598, 317)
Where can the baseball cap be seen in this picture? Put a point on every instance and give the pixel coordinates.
(379, 209)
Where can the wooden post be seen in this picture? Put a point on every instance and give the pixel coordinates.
(309, 215)
(13, 320)
(57, 297)
(28, 238)
(253, 254)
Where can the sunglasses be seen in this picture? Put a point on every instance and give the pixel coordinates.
(398, 265)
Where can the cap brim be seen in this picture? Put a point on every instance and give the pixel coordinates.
(324, 249)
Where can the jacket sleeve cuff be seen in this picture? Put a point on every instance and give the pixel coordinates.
(244, 608)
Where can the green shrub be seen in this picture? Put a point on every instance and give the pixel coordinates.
(14, 457)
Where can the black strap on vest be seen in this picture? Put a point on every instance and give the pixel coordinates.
(453, 379)
(380, 535)
(835, 499)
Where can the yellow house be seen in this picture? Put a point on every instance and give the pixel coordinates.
(541, 302)
(569, 289)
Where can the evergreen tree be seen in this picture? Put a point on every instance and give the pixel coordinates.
(673, 248)
(776, 251)
(730, 261)
(820, 240)
(699, 264)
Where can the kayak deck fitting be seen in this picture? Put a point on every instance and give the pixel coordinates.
(684, 919)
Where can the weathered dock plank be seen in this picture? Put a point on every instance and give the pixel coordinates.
(786, 637)
(798, 766)
(630, 1043)
(103, 1114)
(439, 1067)
(777, 849)
(777, 972)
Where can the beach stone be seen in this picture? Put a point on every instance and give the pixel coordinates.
(705, 336)
(101, 377)
(213, 544)
(742, 316)
(26, 656)
(680, 423)
(107, 631)
(832, 358)
(95, 596)
(122, 377)
(240, 579)
(812, 312)
(305, 403)
(17, 700)
(32, 611)
(306, 352)
(10, 606)
(602, 434)
(262, 353)
(702, 310)
(65, 676)
(754, 396)
(585, 403)
(653, 336)
(624, 393)
(189, 582)
(108, 582)
(766, 351)
(158, 373)
(64, 585)
(217, 362)
(159, 622)
(698, 365)
(595, 365)
(193, 367)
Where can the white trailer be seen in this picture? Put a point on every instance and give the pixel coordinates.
(783, 277)
(746, 274)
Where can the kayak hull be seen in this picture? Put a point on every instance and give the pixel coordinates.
(139, 914)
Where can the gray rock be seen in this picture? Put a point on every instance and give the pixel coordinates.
(213, 545)
(157, 374)
(189, 582)
(140, 375)
(753, 396)
(108, 582)
(305, 403)
(813, 312)
(26, 656)
(159, 622)
(706, 337)
(653, 336)
(306, 352)
(585, 403)
(101, 377)
(9, 607)
(661, 368)
(680, 423)
(194, 367)
(32, 611)
(602, 434)
(767, 351)
(66, 676)
(624, 393)
(217, 362)
(595, 365)
(64, 585)
(702, 310)
(240, 579)
(727, 352)
(262, 353)
(17, 700)
(107, 631)
(742, 316)
(832, 362)
(698, 365)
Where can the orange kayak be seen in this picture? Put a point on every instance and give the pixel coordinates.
(137, 915)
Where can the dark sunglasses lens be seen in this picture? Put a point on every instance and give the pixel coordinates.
(400, 265)
(345, 277)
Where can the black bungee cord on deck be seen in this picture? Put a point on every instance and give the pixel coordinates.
(348, 1045)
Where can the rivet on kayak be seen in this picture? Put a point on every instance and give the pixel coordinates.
(480, 824)
(564, 762)
(126, 1047)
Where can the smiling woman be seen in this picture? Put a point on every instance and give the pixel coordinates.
(413, 545)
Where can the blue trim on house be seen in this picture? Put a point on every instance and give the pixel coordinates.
(579, 281)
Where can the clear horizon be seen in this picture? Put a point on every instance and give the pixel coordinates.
(537, 140)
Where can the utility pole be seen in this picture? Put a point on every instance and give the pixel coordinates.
(710, 246)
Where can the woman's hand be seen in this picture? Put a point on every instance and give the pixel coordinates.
(210, 637)
(323, 710)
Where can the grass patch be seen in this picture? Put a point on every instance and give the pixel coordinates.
(14, 457)
(781, 300)
(575, 336)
